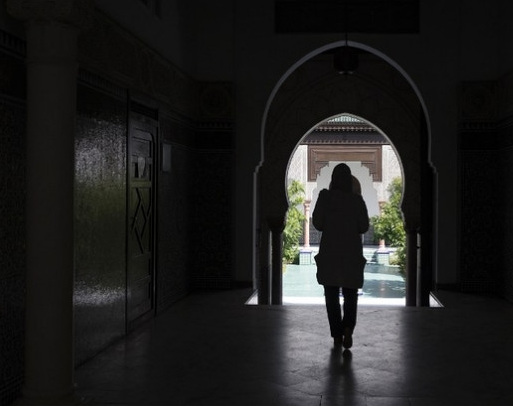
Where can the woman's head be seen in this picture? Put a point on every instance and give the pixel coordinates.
(341, 178)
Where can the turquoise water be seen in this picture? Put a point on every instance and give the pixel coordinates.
(382, 285)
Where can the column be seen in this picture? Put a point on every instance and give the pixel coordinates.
(423, 274)
(51, 36)
(306, 231)
(264, 264)
(411, 267)
(276, 225)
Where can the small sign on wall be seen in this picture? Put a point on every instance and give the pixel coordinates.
(166, 157)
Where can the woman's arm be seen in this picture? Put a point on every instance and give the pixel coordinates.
(318, 213)
(363, 217)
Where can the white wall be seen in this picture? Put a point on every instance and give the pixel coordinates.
(391, 169)
(361, 173)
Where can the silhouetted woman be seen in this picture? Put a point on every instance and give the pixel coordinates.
(341, 215)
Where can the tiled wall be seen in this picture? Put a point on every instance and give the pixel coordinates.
(479, 197)
(211, 228)
(480, 225)
(12, 231)
(12, 253)
(506, 208)
(486, 180)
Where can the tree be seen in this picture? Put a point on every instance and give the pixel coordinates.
(294, 223)
(389, 225)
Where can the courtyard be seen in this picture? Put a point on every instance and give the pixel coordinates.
(383, 284)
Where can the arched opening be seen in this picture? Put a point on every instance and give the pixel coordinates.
(383, 95)
(375, 164)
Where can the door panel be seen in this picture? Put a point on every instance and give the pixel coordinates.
(141, 222)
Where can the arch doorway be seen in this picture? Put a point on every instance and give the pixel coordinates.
(382, 94)
(375, 164)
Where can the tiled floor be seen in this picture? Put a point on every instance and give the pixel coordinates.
(211, 349)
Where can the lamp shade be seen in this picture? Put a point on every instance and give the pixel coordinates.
(345, 60)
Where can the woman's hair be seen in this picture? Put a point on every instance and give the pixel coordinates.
(341, 179)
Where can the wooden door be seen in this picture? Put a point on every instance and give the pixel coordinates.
(141, 223)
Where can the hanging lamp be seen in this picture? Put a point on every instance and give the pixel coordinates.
(345, 59)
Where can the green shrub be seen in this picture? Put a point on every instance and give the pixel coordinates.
(294, 222)
(389, 225)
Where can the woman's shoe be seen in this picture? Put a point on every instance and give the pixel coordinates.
(337, 341)
(348, 339)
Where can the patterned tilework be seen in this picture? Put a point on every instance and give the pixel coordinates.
(298, 166)
(479, 223)
(506, 238)
(12, 253)
(211, 229)
(486, 215)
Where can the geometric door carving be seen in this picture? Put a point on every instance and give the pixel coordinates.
(141, 222)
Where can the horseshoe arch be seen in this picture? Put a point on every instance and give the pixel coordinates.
(377, 92)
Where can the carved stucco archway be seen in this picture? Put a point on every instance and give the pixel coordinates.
(313, 92)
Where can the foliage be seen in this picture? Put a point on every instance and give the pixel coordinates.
(389, 225)
(294, 222)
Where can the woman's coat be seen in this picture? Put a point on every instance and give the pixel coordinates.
(341, 217)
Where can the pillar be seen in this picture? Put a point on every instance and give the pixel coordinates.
(306, 231)
(51, 39)
(276, 225)
(411, 267)
(423, 273)
(264, 264)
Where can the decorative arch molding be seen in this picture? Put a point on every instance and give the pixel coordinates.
(369, 156)
(333, 96)
(377, 93)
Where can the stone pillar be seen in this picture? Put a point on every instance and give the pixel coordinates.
(306, 231)
(277, 225)
(51, 36)
(411, 267)
(264, 264)
(423, 274)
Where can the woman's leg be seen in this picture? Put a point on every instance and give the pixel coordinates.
(332, 296)
(350, 309)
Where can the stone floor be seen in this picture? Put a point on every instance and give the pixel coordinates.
(212, 349)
